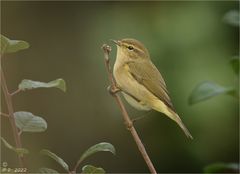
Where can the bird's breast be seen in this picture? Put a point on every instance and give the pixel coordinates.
(122, 76)
(135, 93)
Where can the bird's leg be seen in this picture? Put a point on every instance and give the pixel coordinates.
(140, 117)
(113, 89)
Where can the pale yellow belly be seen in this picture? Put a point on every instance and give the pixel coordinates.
(136, 104)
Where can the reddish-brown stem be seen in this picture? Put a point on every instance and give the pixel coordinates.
(9, 103)
(3, 114)
(76, 166)
(15, 92)
(127, 120)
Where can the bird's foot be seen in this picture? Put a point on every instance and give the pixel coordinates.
(129, 125)
(113, 89)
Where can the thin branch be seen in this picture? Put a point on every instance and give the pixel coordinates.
(76, 166)
(19, 132)
(3, 114)
(15, 92)
(9, 103)
(127, 120)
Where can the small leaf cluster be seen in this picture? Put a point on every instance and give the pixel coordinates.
(206, 90)
(28, 122)
(100, 147)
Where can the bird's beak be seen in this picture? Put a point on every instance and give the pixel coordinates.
(117, 42)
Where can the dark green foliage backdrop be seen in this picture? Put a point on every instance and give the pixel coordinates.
(188, 42)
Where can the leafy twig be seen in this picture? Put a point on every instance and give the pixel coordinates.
(8, 99)
(127, 120)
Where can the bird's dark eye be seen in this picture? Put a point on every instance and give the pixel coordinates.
(130, 47)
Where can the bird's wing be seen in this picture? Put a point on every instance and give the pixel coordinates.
(150, 77)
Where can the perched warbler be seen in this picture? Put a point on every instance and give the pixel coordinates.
(140, 81)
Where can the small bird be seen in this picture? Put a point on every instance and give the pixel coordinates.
(140, 82)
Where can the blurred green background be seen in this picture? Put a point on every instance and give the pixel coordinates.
(188, 42)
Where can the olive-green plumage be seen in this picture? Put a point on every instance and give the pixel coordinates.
(140, 81)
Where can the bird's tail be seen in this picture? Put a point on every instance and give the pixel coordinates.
(178, 120)
(174, 116)
(183, 127)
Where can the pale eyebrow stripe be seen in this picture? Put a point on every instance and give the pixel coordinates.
(136, 49)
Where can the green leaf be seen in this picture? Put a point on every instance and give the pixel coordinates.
(46, 170)
(107, 147)
(29, 84)
(19, 151)
(222, 168)
(89, 169)
(27, 122)
(56, 158)
(234, 61)
(11, 46)
(206, 90)
(232, 18)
